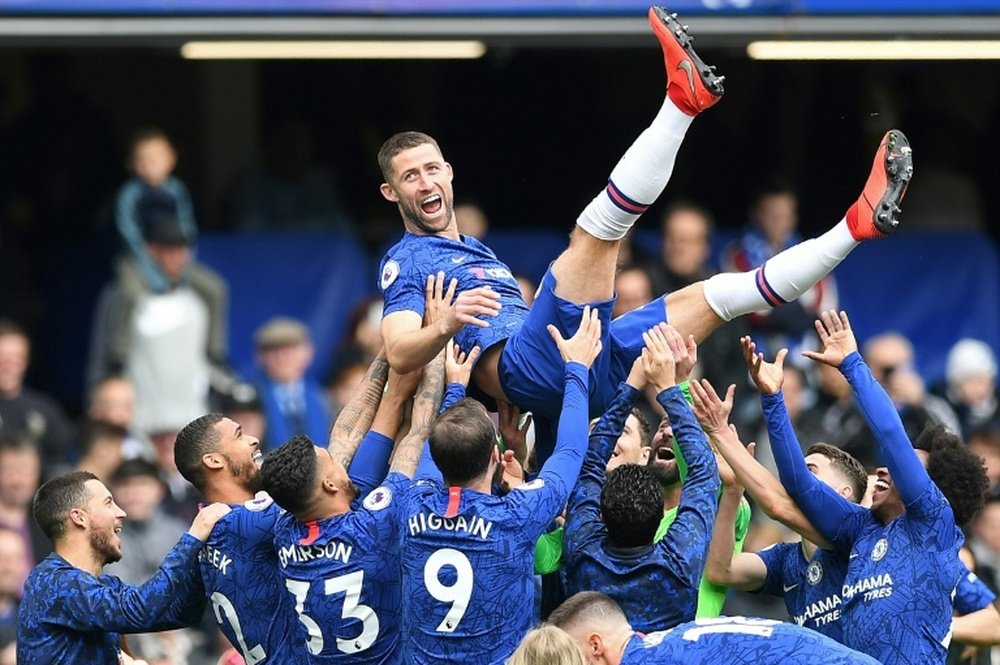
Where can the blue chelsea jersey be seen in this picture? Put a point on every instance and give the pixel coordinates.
(403, 278)
(343, 578)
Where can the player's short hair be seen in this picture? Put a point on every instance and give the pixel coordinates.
(56, 498)
(396, 144)
(198, 438)
(585, 607)
(846, 465)
(549, 645)
(958, 472)
(645, 431)
(462, 441)
(631, 505)
(288, 473)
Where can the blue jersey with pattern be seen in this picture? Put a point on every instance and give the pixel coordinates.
(811, 588)
(739, 641)
(897, 593)
(971, 594)
(239, 567)
(468, 556)
(68, 616)
(403, 278)
(342, 575)
(656, 585)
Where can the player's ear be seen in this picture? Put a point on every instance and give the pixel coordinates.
(645, 455)
(213, 460)
(595, 646)
(387, 192)
(447, 168)
(78, 516)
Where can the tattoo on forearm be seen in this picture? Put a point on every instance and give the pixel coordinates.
(356, 417)
(426, 402)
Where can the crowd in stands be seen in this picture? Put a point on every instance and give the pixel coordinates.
(159, 360)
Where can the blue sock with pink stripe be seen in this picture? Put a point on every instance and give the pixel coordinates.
(783, 278)
(638, 178)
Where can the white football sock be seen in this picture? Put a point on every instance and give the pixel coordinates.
(783, 278)
(639, 176)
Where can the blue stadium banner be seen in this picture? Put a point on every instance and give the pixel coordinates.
(507, 8)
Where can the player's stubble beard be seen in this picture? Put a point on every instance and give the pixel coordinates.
(101, 541)
(247, 473)
(414, 215)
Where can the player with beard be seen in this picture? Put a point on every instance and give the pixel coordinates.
(517, 364)
(903, 564)
(612, 518)
(340, 563)
(71, 612)
(239, 564)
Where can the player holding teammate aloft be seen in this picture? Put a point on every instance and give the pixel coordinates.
(341, 565)
(903, 563)
(468, 589)
(239, 564)
(517, 363)
(602, 632)
(612, 519)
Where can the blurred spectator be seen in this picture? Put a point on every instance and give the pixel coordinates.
(985, 542)
(167, 345)
(289, 192)
(112, 401)
(891, 359)
(151, 160)
(362, 342)
(147, 536)
(19, 479)
(293, 401)
(772, 229)
(835, 419)
(181, 499)
(242, 405)
(343, 384)
(685, 248)
(986, 444)
(25, 412)
(472, 220)
(13, 572)
(101, 449)
(633, 289)
(971, 390)
(683, 261)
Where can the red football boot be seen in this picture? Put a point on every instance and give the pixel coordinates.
(873, 215)
(691, 84)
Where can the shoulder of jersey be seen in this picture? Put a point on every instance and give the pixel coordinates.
(260, 502)
(378, 498)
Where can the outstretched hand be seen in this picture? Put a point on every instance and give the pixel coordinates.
(767, 376)
(835, 336)
(514, 433)
(585, 345)
(712, 411)
(453, 316)
(663, 352)
(458, 365)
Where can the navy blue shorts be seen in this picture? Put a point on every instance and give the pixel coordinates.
(532, 373)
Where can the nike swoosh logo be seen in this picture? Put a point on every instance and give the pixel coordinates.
(689, 70)
(853, 556)
(457, 259)
(788, 588)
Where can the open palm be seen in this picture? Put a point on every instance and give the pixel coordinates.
(836, 337)
(767, 376)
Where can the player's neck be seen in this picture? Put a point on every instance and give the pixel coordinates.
(809, 549)
(80, 555)
(621, 639)
(227, 490)
(672, 496)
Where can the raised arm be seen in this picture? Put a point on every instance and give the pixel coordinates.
(723, 567)
(840, 349)
(91, 603)
(355, 420)
(413, 339)
(766, 490)
(426, 402)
